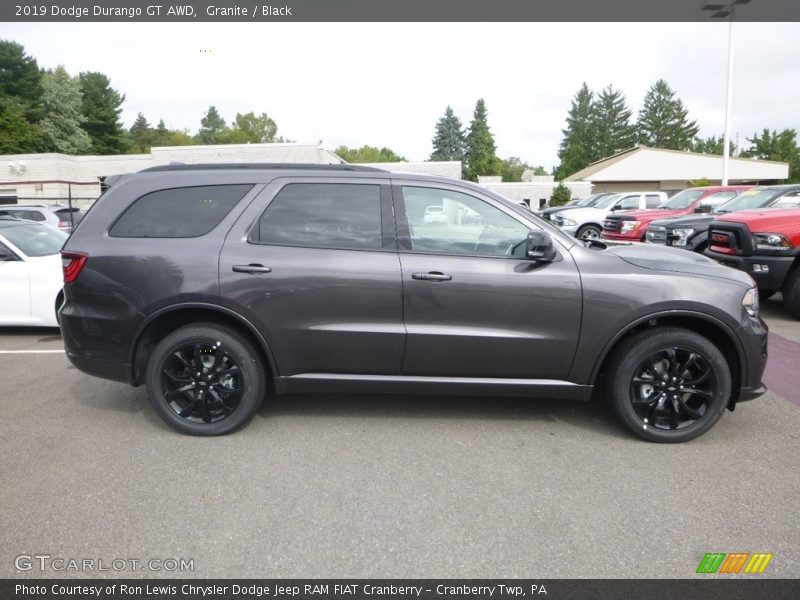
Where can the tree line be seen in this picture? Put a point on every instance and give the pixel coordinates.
(53, 111)
(600, 124)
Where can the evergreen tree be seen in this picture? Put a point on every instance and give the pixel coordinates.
(480, 156)
(212, 127)
(61, 125)
(561, 195)
(449, 140)
(20, 80)
(17, 134)
(663, 120)
(612, 123)
(102, 107)
(141, 135)
(771, 145)
(579, 144)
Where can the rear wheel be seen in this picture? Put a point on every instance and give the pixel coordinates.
(791, 292)
(205, 380)
(668, 384)
(589, 232)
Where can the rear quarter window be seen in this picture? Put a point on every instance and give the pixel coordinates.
(179, 212)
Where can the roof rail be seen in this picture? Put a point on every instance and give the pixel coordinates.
(260, 166)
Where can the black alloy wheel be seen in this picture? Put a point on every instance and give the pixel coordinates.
(205, 379)
(668, 384)
(673, 388)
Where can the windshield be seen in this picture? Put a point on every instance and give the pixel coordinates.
(586, 201)
(607, 201)
(683, 199)
(35, 240)
(750, 199)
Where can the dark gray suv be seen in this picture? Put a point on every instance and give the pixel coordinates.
(219, 285)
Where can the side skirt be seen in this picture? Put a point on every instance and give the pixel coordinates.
(310, 383)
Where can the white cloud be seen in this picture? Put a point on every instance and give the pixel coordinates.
(387, 84)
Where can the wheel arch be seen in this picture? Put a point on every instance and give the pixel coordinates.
(164, 321)
(708, 326)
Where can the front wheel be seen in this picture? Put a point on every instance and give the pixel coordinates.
(589, 232)
(668, 384)
(205, 380)
(791, 293)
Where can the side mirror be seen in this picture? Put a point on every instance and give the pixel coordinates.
(539, 246)
(702, 208)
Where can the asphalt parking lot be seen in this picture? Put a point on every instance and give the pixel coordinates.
(366, 486)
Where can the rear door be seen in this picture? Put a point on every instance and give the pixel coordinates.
(474, 306)
(313, 264)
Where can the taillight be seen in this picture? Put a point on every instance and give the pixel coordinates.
(72, 263)
(63, 225)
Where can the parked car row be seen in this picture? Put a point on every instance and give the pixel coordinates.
(58, 216)
(30, 272)
(753, 229)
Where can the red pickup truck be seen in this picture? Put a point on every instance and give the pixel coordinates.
(764, 243)
(631, 226)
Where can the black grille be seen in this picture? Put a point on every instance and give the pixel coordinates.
(656, 235)
(613, 223)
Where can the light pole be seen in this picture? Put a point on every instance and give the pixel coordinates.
(722, 10)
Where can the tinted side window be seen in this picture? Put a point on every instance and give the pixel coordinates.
(29, 215)
(324, 215)
(449, 222)
(629, 202)
(179, 212)
(717, 198)
(652, 200)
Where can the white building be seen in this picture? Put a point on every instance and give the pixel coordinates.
(55, 178)
(655, 169)
(534, 190)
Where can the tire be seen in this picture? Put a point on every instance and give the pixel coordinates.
(640, 394)
(205, 380)
(589, 232)
(766, 294)
(791, 293)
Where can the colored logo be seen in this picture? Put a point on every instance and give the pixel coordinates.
(736, 562)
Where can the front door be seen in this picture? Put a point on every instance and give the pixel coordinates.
(313, 264)
(15, 298)
(474, 305)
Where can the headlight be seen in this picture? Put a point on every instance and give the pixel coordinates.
(680, 237)
(630, 226)
(570, 222)
(750, 302)
(772, 242)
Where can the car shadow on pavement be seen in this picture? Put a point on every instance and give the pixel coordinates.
(593, 415)
(43, 334)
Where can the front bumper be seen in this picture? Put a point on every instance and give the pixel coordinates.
(631, 236)
(570, 229)
(772, 279)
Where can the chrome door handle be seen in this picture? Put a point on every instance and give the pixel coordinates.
(432, 276)
(253, 269)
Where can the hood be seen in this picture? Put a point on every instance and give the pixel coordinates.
(687, 221)
(649, 213)
(555, 209)
(764, 219)
(588, 214)
(675, 260)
